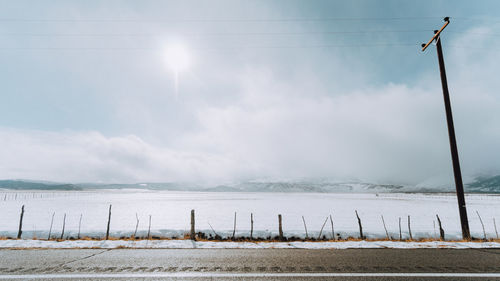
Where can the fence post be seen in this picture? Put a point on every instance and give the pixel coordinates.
(400, 234)
(482, 224)
(280, 227)
(64, 226)
(495, 225)
(441, 230)
(360, 226)
(51, 223)
(136, 225)
(149, 228)
(79, 226)
(251, 226)
(20, 232)
(213, 230)
(305, 227)
(434, 227)
(386, 232)
(234, 226)
(409, 228)
(333, 232)
(321, 231)
(193, 232)
(109, 222)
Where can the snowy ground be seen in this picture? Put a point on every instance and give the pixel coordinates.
(170, 213)
(187, 244)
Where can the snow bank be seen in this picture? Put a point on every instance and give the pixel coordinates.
(188, 244)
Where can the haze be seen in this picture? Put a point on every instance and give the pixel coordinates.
(274, 90)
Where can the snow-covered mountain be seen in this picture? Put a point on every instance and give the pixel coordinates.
(481, 184)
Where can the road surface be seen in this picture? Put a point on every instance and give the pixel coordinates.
(250, 264)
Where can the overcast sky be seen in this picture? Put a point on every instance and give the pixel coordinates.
(274, 90)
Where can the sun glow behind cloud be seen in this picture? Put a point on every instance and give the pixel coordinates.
(178, 60)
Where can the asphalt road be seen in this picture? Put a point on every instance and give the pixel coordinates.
(250, 264)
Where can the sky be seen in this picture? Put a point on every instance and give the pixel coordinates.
(274, 90)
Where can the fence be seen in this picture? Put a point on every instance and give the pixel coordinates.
(213, 235)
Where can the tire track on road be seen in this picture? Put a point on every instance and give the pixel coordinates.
(87, 257)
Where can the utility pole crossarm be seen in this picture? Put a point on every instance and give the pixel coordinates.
(437, 33)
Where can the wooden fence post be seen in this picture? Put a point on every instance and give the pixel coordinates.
(64, 226)
(434, 226)
(149, 228)
(20, 232)
(213, 230)
(409, 228)
(333, 232)
(251, 226)
(482, 224)
(109, 222)
(400, 234)
(280, 227)
(441, 230)
(234, 226)
(321, 231)
(305, 227)
(136, 225)
(193, 232)
(360, 226)
(386, 232)
(51, 223)
(79, 226)
(495, 225)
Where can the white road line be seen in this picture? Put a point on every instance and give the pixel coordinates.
(240, 275)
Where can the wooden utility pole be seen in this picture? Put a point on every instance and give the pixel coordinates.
(451, 131)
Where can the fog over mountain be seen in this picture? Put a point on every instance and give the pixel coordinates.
(479, 185)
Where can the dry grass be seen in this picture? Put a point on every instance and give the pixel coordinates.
(260, 240)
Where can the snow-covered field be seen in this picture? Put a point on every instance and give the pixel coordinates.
(170, 213)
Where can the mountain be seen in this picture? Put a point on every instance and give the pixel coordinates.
(308, 186)
(483, 184)
(33, 185)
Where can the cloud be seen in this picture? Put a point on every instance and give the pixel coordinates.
(248, 113)
(92, 157)
(276, 130)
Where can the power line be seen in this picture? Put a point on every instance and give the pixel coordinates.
(219, 20)
(236, 34)
(209, 33)
(487, 19)
(471, 48)
(232, 48)
(206, 49)
(476, 33)
(173, 20)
